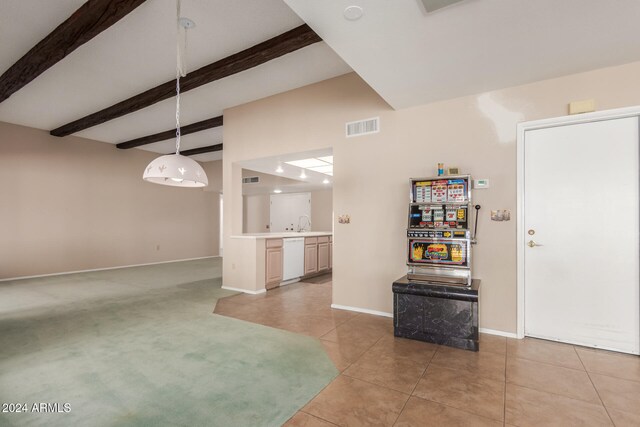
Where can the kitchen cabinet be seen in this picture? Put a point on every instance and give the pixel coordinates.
(273, 259)
(310, 255)
(323, 253)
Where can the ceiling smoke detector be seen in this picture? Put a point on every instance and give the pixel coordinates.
(353, 13)
(186, 23)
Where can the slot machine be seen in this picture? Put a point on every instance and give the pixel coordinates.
(439, 230)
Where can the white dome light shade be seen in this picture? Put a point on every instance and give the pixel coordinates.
(177, 171)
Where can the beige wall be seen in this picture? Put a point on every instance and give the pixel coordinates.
(475, 133)
(255, 214)
(322, 210)
(69, 204)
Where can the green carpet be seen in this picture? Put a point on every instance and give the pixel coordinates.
(140, 347)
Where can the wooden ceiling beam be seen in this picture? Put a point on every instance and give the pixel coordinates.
(273, 48)
(171, 133)
(88, 21)
(201, 150)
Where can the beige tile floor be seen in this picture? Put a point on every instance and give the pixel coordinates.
(388, 381)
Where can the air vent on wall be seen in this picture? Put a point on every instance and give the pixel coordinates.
(251, 180)
(363, 127)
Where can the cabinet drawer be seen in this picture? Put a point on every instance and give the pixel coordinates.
(274, 243)
(323, 239)
(310, 240)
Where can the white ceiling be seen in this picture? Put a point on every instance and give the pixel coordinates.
(293, 183)
(410, 57)
(138, 53)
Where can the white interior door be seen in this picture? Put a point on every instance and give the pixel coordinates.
(286, 209)
(581, 210)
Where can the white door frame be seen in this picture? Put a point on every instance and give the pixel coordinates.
(540, 124)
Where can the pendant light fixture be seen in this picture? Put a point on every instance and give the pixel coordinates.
(175, 169)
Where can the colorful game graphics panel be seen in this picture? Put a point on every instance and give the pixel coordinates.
(428, 251)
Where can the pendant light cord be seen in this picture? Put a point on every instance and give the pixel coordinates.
(181, 69)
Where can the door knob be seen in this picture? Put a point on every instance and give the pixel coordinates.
(532, 244)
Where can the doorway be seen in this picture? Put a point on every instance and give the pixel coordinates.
(578, 230)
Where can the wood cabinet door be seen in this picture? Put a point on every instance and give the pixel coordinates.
(323, 256)
(274, 267)
(310, 259)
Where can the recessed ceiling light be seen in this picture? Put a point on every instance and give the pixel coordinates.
(353, 13)
(277, 191)
(279, 169)
(303, 175)
(307, 163)
(326, 181)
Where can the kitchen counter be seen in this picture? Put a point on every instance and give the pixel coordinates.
(259, 260)
(282, 235)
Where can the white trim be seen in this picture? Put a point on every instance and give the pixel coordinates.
(498, 333)
(105, 268)
(618, 113)
(362, 310)
(246, 291)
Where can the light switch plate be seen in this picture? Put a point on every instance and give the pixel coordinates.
(480, 183)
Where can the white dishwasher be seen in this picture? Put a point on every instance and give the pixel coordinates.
(293, 258)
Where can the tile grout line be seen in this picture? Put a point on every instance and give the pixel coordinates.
(415, 386)
(458, 409)
(442, 347)
(556, 394)
(340, 374)
(549, 364)
(317, 417)
(594, 386)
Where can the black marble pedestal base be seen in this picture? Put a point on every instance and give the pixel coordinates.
(436, 313)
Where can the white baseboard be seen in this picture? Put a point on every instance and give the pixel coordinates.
(246, 291)
(362, 310)
(105, 268)
(499, 333)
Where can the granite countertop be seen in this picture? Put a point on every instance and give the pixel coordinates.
(281, 235)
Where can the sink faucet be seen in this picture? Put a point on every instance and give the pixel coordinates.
(304, 228)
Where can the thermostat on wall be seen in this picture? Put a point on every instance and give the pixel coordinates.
(481, 183)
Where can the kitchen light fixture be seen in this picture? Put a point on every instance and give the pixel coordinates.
(303, 175)
(175, 169)
(317, 164)
(277, 191)
(307, 163)
(326, 181)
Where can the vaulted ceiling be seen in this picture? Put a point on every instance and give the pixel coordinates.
(411, 57)
(411, 52)
(137, 53)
